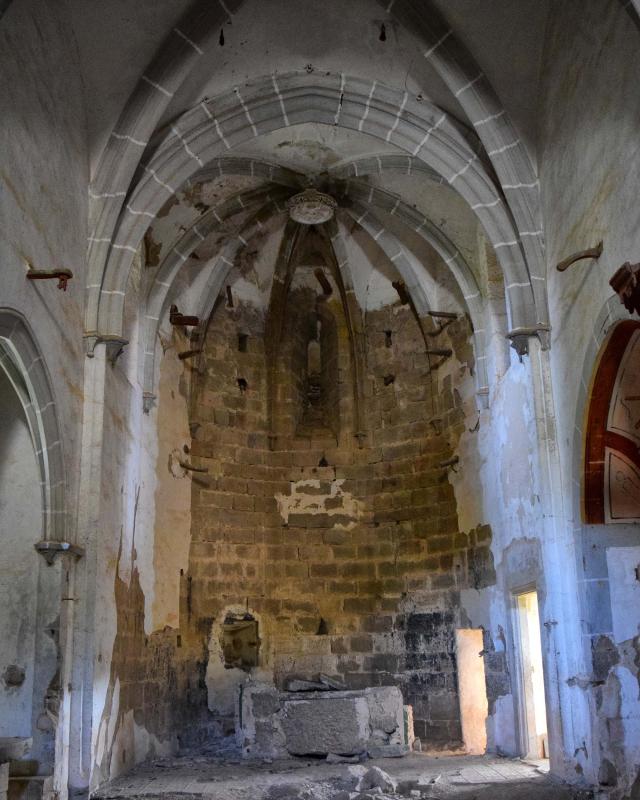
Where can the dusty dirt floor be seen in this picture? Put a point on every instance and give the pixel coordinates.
(415, 775)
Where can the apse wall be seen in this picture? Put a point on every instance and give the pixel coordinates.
(351, 559)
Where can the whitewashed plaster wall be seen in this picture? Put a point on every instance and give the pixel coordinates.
(588, 156)
(590, 172)
(145, 525)
(43, 213)
(43, 197)
(589, 178)
(498, 461)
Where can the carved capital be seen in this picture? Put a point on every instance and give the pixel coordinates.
(520, 338)
(49, 549)
(115, 345)
(148, 401)
(483, 397)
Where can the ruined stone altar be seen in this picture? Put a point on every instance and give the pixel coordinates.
(275, 724)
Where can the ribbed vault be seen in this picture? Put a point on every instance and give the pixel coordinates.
(149, 163)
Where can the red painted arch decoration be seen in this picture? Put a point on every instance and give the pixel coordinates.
(612, 444)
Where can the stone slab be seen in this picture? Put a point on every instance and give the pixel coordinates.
(326, 724)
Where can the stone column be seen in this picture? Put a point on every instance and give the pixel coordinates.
(74, 756)
(568, 713)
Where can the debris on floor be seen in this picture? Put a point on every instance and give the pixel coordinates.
(415, 776)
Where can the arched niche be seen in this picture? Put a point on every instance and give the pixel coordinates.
(20, 529)
(611, 468)
(23, 365)
(33, 520)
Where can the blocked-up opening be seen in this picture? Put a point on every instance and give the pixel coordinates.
(240, 642)
(472, 689)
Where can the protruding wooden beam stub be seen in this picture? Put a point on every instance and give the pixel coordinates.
(190, 468)
(443, 314)
(189, 354)
(593, 252)
(176, 318)
(450, 463)
(402, 291)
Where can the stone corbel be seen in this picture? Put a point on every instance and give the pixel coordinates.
(49, 549)
(115, 346)
(483, 397)
(519, 338)
(148, 401)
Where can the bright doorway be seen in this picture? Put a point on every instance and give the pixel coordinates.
(533, 712)
(472, 689)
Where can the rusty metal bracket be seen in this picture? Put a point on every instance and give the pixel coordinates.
(62, 275)
(593, 252)
(176, 318)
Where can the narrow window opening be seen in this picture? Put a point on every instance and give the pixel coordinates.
(243, 339)
(314, 377)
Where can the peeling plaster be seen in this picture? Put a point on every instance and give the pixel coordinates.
(303, 500)
(172, 523)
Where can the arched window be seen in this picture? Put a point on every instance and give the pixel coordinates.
(611, 489)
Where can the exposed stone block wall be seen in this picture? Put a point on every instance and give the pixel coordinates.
(352, 568)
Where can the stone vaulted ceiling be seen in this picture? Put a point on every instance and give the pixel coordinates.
(417, 117)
